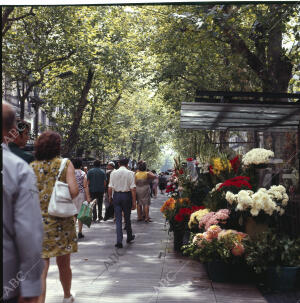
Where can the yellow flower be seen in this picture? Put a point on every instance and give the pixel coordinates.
(220, 165)
(196, 216)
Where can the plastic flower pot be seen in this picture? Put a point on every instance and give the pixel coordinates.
(281, 278)
(241, 273)
(218, 271)
(178, 239)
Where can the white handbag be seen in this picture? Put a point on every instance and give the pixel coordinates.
(61, 203)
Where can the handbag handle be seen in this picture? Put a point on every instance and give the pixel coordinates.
(61, 168)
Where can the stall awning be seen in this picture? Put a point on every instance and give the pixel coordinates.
(211, 114)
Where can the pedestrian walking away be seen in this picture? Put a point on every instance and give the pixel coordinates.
(22, 224)
(84, 194)
(97, 182)
(154, 184)
(142, 181)
(109, 208)
(162, 182)
(60, 238)
(122, 193)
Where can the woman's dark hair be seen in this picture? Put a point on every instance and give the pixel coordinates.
(142, 166)
(153, 171)
(77, 162)
(47, 145)
(97, 163)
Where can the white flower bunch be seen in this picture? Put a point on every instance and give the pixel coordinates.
(268, 201)
(257, 156)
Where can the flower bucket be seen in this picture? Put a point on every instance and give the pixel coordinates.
(178, 240)
(253, 229)
(218, 271)
(281, 278)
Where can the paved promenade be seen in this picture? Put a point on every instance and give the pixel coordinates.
(146, 271)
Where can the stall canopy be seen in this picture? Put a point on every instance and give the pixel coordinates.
(242, 111)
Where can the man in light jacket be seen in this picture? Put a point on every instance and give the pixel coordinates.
(22, 223)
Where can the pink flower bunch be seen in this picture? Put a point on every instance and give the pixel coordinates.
(214, 218)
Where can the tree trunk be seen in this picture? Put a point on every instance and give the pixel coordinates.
(141, 149)
(73, 133)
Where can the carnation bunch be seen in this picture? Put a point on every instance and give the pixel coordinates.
(214, 218)
(257, 156)
(269, 201)
(239, 182)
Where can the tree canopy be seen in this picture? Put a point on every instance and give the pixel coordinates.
(112, 78)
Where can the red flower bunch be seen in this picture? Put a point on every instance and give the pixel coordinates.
(189, 159)
(170, 188)
(185, 211)
(237, 182)
(235, 163)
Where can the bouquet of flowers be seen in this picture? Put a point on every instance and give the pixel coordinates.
(217, 244)
(270, 201)
(257, 156)
(177, 212)
(214, 218)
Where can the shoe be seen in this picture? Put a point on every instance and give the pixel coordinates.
(80, 235)
(130, 239)
(69, 300)
(148, 220)
(119, 245)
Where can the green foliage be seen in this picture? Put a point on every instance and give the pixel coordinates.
(272, 249)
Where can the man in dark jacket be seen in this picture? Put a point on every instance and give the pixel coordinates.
(97, 182)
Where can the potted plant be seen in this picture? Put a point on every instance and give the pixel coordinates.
(221, 250)
(276, 257)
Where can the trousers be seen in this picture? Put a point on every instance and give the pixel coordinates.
(122, 202)
(99, 197)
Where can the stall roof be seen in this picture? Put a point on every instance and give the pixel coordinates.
(221, 114)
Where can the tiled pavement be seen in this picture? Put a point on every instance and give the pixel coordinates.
(147, 271)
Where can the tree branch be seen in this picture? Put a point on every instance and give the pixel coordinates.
(23, 16)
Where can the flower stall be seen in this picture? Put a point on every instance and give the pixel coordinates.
(260, 193)
(223, 228)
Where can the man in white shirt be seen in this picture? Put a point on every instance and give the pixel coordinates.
(22, 224)
(122, 183)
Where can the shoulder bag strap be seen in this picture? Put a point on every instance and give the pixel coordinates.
(62, 166)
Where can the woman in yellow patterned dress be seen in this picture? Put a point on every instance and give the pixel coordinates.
(59, 233)
(143, 199)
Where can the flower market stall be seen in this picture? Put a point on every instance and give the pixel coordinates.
(226, 215)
